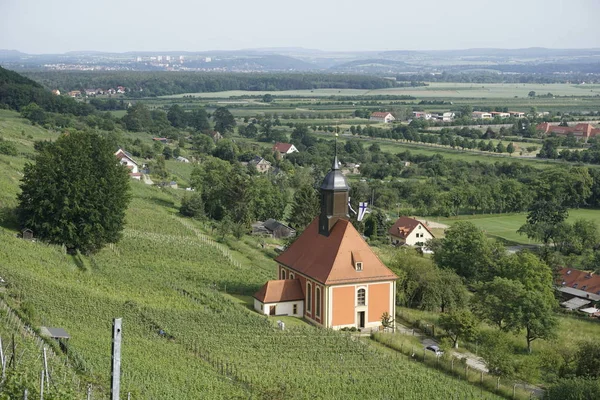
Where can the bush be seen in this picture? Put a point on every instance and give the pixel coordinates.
(574, 389)
(7, 148)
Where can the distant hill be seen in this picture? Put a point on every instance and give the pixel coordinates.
(17, 91)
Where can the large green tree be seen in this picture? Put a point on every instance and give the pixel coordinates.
(468, 252)
(305, 207)
(224, 121)
(76, 193)
(460, 324)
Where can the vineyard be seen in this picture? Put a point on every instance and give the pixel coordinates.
(184, 336)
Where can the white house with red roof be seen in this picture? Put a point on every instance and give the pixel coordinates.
(409, 231)
(127, 160)
(581, 284)
(342, 281)
(284, 148)
(384, 117)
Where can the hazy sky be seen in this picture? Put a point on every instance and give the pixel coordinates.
(49, 26)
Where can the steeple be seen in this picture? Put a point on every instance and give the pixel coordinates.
(334, 197)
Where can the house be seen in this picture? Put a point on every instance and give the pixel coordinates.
(280, 297)
(329, 272)
(162, 140)
(127, 160)
(409, 231)
(215, 135)
(260, 164)
(56, 92)
(351, 168)
(517, 114)
(90, 92)
(500, 114)
(421, 115)
(182, 159)
(111, 91)
(284, 148)
(100, 91)
(581, 284)
(481, 115)
(120, 89)
(384, 117)
(580, 131)
(75, 93)
(273, 228)
(447, 116)
(27, 234)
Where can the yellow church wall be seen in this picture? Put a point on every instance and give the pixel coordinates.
(343, 305)
(378, 301)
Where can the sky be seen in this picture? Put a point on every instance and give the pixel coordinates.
(57, 26)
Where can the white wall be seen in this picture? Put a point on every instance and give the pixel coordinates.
(412, 239)
(284, 308)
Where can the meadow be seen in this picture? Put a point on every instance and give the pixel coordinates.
(434, 89)
(505, 226)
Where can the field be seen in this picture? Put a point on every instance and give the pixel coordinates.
(185, 335)
(435, 90)
(505, 226)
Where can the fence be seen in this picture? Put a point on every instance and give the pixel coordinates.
(457, 368)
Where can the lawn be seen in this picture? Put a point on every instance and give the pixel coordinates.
(505, 226)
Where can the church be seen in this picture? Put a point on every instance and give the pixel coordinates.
(329, 275)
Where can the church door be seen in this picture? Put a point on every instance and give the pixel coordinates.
(360, 318)
(272, 310)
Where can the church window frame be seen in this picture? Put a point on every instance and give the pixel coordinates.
(318, 302)
(361, 297)
(308, 297)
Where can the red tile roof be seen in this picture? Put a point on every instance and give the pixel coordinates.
(329, 259)
(280, 290)
(380, 114)
(581, 280)
(282, 147)
(404, 226)
(585, 130)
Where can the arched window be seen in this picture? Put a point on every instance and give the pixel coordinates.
(283, 274)
(361, 297)
(318, 302)
(308, 297)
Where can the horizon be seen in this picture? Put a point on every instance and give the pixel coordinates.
(292, 48)
(117, 26)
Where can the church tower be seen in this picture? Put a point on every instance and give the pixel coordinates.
(334, 198)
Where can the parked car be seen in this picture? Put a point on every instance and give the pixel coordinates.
(435, 349)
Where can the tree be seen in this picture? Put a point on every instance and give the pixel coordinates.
(198, 120)
(587, 359)
(537, 316)
(177, 116)
(138, 118)
(467, 251)
(531, 94)
(510, 148)
(495, 302)
(305, 207)
(192, 205)
(34, 113)
(543, 220)
(386, 320)
(267, 98)
(459, 324)
(224, 121)
(76, 193)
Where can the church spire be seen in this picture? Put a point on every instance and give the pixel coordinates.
(334, 197)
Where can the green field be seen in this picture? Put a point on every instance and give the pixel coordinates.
(505, 226)
(184, 335)
(436, 90)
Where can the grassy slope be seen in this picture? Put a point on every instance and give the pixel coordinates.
(505, 226)
(164, 275)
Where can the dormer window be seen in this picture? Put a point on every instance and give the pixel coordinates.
(575, 285)
(357, 261)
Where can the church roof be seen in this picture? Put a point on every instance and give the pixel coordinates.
(335, 180)
(330, 259)
(277, 291)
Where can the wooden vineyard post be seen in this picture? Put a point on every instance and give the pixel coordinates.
(42, 386)
(115, 384)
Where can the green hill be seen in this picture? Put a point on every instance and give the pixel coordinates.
(188, 331)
